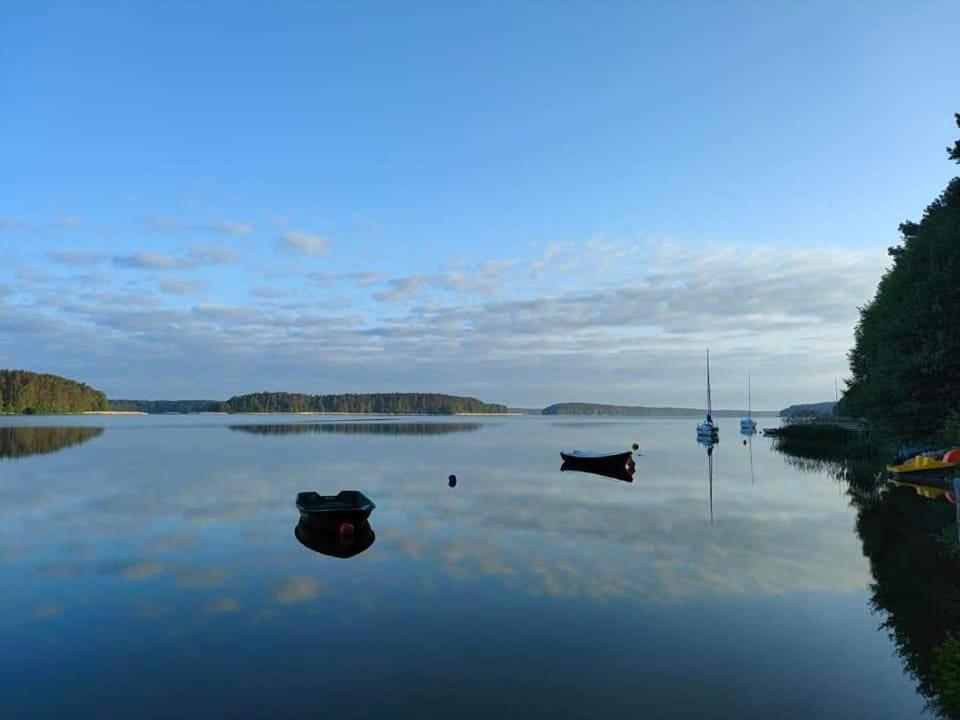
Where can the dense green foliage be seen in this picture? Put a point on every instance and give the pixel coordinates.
(159, 407)
(19, 442)
(361, 428)
(638, 411)
(33, 393)
(279, 402)
(905, 362)
(820, 409)
(386, 403)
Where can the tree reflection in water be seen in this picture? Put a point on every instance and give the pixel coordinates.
(360, 428)
(21, 442)
(910, 539)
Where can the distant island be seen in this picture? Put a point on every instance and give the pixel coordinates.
(641, 411)
(29, 393)
(283, 402)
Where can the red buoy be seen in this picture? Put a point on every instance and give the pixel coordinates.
(346, 529)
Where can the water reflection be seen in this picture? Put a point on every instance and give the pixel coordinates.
(361, 428)
(748, 441)
(709, 443)
(624, 474)
(331, 542)
(21, 442)
(909, 532)
(209, 576)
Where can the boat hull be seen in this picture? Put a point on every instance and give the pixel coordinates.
(320, 512)
(922, 464)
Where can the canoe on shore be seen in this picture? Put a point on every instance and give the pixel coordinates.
(922, 464)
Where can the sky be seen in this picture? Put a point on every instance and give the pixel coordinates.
(526, 202)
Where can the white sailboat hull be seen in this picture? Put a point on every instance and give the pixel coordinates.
(708, 428)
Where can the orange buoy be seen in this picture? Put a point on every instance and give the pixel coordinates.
(952, 455)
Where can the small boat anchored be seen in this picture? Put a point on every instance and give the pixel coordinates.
(708, 428)
(331, 511)
(612, 464)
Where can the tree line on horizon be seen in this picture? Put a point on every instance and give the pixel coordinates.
(905, 362)
(576, 408)
(283, 402)
(31, 393)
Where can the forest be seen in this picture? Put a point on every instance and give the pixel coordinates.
(30, 393)
(386, 403)
(160, 407)
(905, 363)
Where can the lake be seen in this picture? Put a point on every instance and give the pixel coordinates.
(149, 568)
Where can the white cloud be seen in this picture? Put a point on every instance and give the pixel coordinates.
(69, 257)
(231, 228)
(302, 243)
(268, 292)
(146, 260)
(402, 289)
(174, 286)
(636, 315)
(223, 605)
(197, 256)
(296, 590)
(69, 221)
(226, 227)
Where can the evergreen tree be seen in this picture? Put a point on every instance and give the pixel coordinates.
(905, 363)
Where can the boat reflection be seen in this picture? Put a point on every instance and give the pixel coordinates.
(331, 542)
(748, 441)
(709, 444)
(21, 442)
(930, 488)
(624, 473)
(360, 428)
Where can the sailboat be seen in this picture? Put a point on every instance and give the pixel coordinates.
(708, 428)
(748, 425)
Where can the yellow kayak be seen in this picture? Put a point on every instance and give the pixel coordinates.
(921, 463)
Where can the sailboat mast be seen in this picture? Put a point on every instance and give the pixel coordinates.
(749, 403)
(709, 404)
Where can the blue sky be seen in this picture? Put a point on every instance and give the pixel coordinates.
(556, 201)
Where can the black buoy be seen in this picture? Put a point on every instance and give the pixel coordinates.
(744, 442)
(636, 447)
(452, 481)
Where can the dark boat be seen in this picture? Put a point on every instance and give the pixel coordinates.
(772, 432)
(330, 542)
(602, 463)
(624, 474)
(330, 511)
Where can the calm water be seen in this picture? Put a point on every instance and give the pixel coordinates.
(149, 568)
